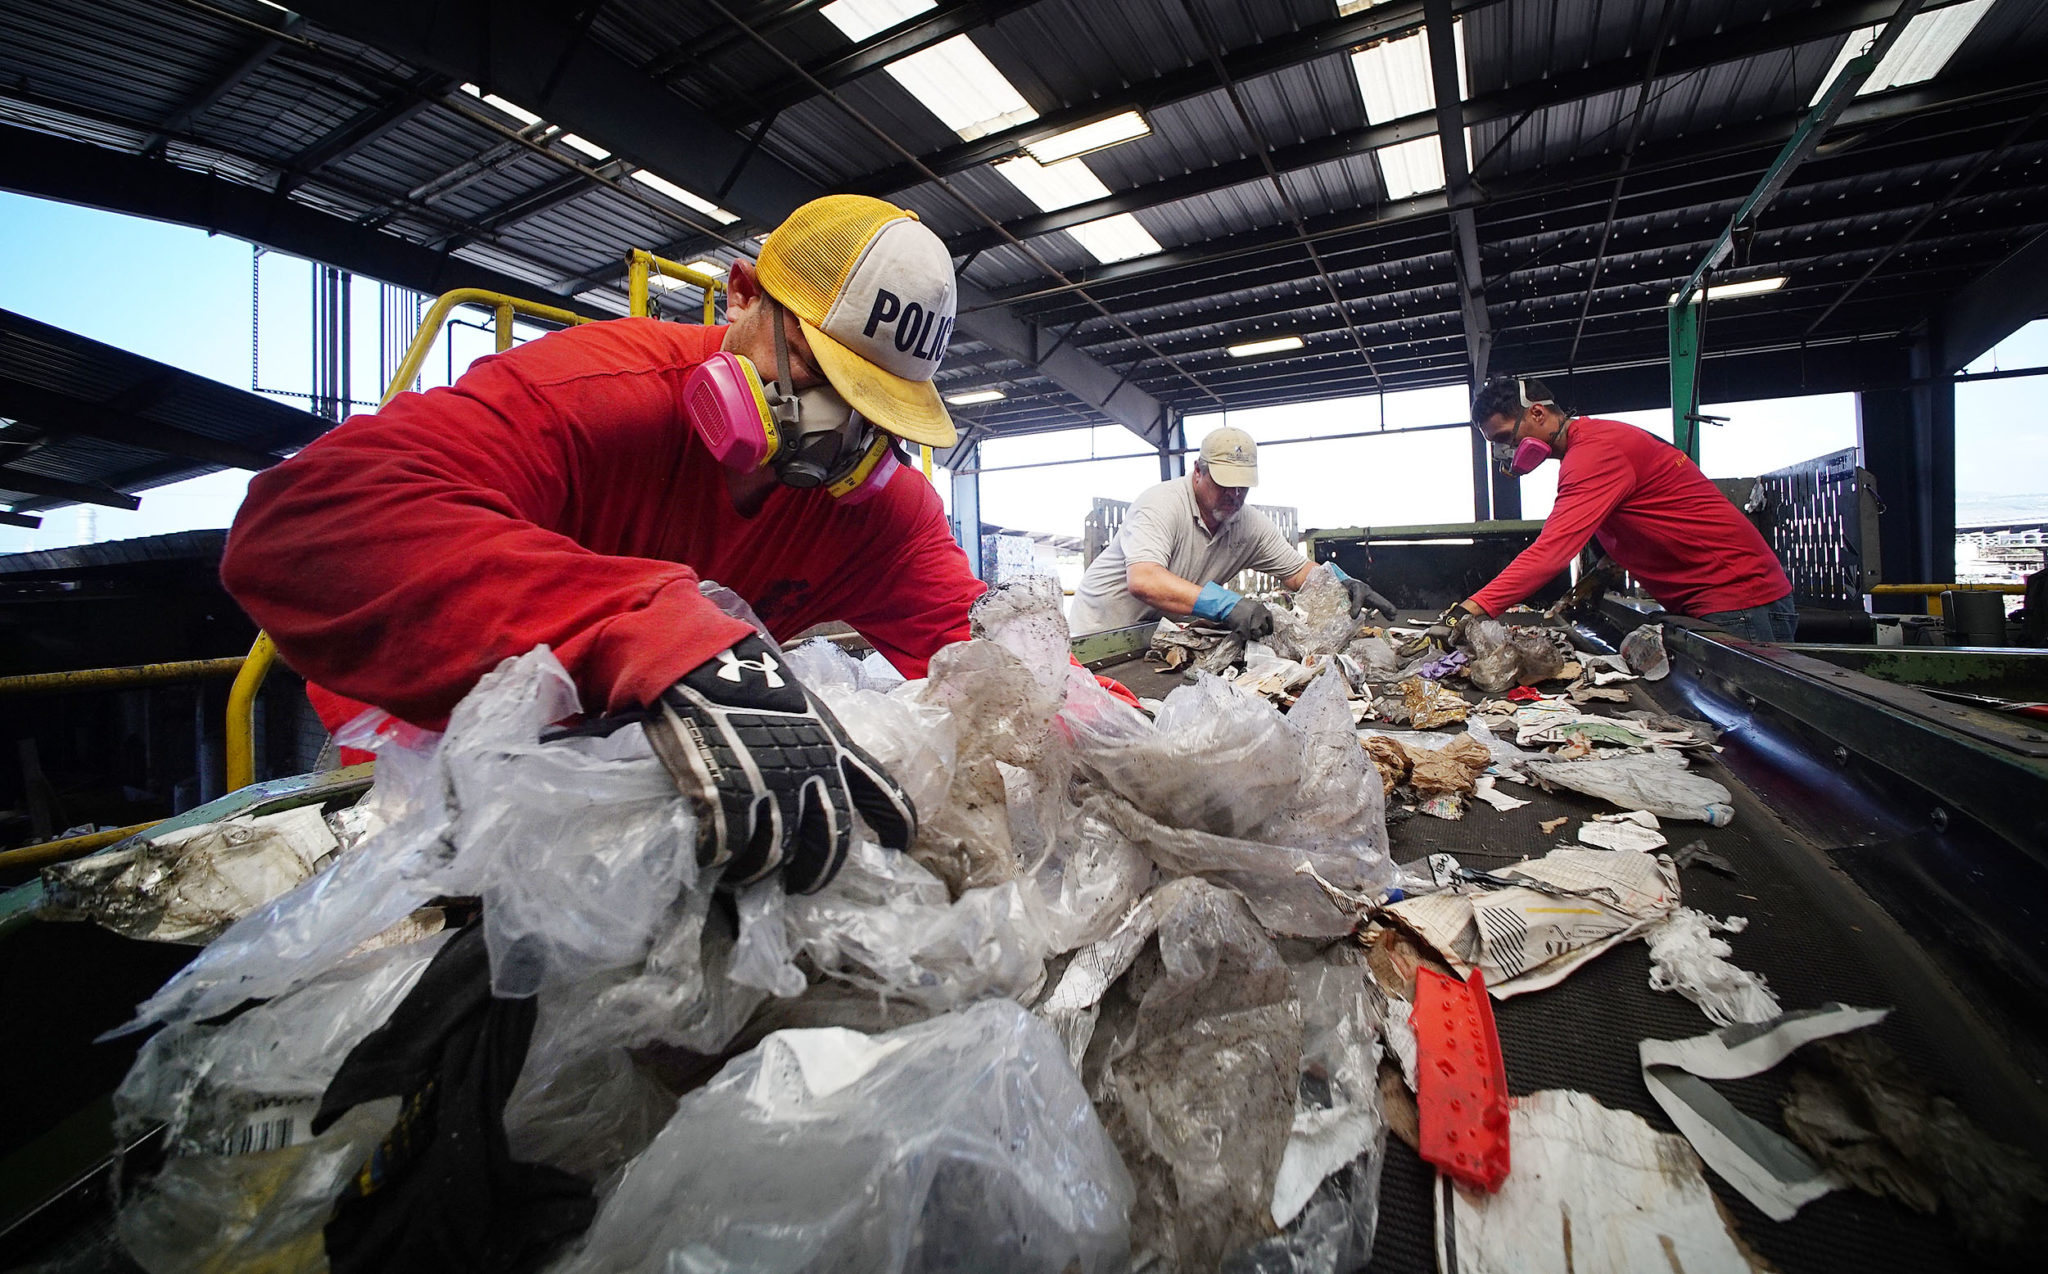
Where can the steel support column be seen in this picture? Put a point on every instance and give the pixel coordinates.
(1173, 459)
(966, 465)
(1908, 438)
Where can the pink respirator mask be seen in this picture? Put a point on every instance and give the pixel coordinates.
(1523, 457)
(812, 439)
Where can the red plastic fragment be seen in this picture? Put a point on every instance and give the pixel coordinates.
(1525, 694)
(1461, 1086)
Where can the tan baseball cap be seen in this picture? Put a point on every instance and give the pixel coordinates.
(1231, 457)
(873, 288)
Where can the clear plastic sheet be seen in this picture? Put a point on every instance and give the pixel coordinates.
(962, 1143)
(1195, 1067)
(1505, 656)
(1375, 656)
(1218, 759)
(1003, 713)
(1656, 781)
(1326, 1193)
(1319, 624)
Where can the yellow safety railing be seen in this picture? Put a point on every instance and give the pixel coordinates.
(1932, 592)
(127, 678)
(640, 266)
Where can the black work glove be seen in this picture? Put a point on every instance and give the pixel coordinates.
(773, 776)
(1449, 626)
(1362, 596)
(1250, 619)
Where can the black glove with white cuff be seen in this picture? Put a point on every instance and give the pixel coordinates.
(773, 776)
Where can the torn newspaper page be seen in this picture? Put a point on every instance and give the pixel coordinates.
(1593, 1191)
(1768, 1169)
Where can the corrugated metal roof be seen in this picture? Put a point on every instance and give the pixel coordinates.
(122, 73)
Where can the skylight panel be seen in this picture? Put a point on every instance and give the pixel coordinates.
(1117, 238)
(525, 117)
(1412, 168)
(664, 186)
(1100, 135)
(588, 149)
(1395, 82)
(956, 82)
(1750, 287)
(1923, 49)
(859, 19)
(1053, 186)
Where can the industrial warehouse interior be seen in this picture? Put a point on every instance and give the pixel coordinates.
(893, 635)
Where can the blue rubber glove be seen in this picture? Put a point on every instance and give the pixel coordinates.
(1216, 602)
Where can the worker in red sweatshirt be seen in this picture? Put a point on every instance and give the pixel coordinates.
(574, 491)
(1650, 507)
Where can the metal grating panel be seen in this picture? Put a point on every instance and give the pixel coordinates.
(1821, 518)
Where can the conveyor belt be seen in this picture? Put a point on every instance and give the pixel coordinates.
(1582, 1034)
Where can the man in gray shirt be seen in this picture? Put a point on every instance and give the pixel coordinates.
(1181, 539)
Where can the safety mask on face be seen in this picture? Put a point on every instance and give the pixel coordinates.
(811, 439)
(1529, 453)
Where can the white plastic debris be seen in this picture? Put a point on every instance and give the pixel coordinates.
(961, 1143)
(1686, 957)
(1486, 789)
(1655, 781)
(1643, 650)
(191, 884)
(1625, 1197)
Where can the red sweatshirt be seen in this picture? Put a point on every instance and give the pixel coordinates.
(1657, 515)
(557, 493)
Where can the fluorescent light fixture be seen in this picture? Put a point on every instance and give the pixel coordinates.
(575, 143)
(1749, 287)
(1272, 346)
(525, 117)
(973, 396)
(664, 186)
(859, 19)
(1062, 185)
(1345, 8)
(1395, 81)
(1090, 137)
(712, 268)
(1924, 47)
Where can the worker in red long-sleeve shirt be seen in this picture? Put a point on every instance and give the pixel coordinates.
(575, 490)
(1650, 507)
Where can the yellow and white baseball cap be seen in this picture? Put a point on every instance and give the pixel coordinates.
(1231, 457)
(873, 288)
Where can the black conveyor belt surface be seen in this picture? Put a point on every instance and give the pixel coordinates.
(1582, 1034)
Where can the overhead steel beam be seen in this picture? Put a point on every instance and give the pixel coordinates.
(1994, 306)
(536, 54)
(362, 129)
(37, 484)
(76, 172)
(260, 52)
(1833, 17)
(1115, 396)
(1443, 69)
(531, 204)
(58, 413)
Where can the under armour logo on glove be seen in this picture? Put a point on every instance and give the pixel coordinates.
(730, 665)
(773, 776)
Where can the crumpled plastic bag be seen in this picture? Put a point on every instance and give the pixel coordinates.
(1326, 1192)
(1317, 623)
(245, 1183)
(1656, 781)
(1643, 652)
(1686, 957)
(577, 847)
(191, 884)
(1375, 656)
(1195, 1067)
(961, 1143)
(916, 742)
(1509, 655)
(1217, 759)
(1333, 826)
